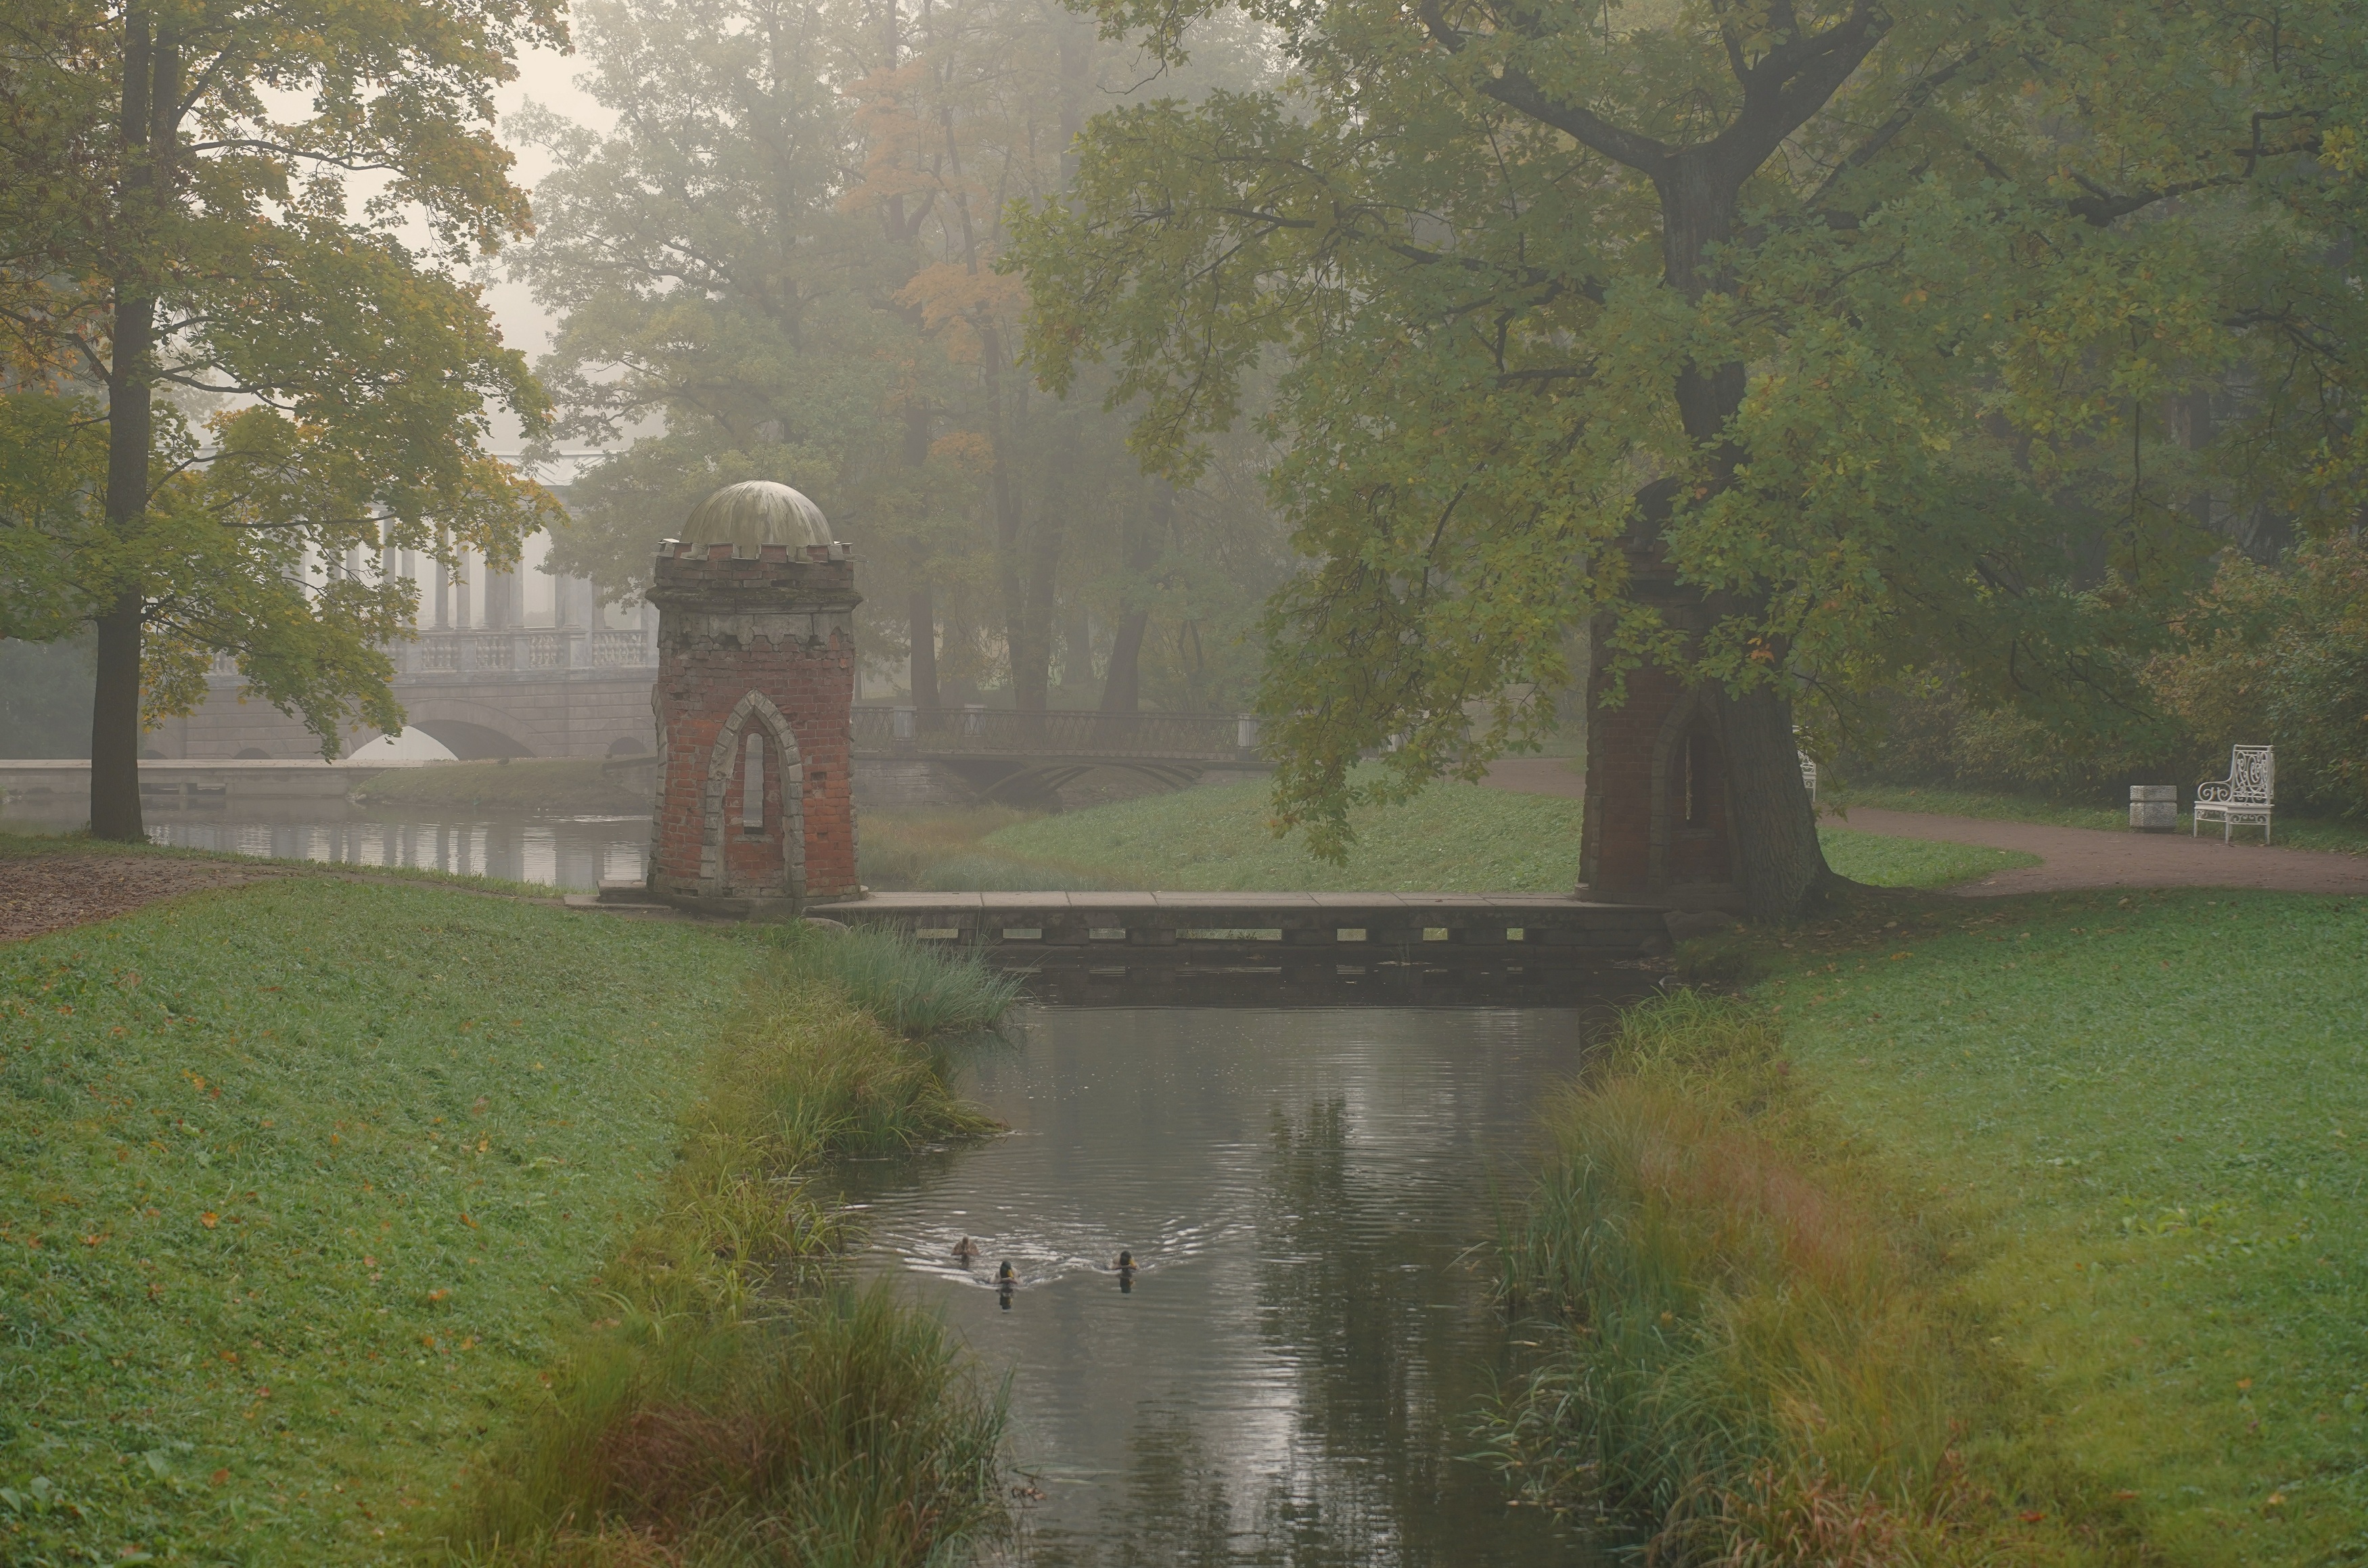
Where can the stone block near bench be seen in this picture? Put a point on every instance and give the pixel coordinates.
(2153, 807)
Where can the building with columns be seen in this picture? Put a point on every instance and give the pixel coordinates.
(516, 663)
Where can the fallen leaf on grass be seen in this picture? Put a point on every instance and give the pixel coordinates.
(209, 1219)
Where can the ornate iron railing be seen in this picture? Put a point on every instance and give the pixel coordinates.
(1202, 737)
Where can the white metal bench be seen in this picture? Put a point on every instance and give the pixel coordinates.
(2245, 796)
(1809, 776)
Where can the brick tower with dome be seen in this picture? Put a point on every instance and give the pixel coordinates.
(754, 700)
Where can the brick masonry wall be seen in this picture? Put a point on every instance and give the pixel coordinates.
(784, 628)
(1616, 855)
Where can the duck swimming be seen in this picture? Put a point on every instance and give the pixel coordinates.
(1125, 1263)
(1006, 1274)
(966, 1249)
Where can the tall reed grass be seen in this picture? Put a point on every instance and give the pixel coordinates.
(1752, 1355)
(736, 1404)
(918, 989)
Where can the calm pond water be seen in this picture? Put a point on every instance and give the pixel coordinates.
(1310, 1193)
(574, 852)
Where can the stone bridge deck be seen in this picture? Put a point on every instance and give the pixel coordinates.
(1101, 929)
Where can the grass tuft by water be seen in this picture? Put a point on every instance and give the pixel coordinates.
(919, 989)
(847, 1429)
(738, 1404)
(1755, 1358)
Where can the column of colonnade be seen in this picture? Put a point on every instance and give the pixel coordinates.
(470, 597)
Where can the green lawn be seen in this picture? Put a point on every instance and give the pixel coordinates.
(301, 1182)
(2298, 832)
(1449, 838)
(1913, 862)
(2152, 1107)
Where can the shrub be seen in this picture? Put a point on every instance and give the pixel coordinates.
(846, 1431)
(918, 989)
(2280, 654)
(1932, 730)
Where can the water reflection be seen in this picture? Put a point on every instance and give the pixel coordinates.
(564, 851)
(1285, 1372)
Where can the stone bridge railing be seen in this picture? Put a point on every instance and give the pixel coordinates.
(572, 648)
(515, 650)
(999, 732)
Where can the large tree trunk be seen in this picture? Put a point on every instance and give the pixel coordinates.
(1122, 683)
(1144, 537)
(152, 85)
(1031, 652)
(923, 617)
(114, 725)
(1779, 866)
(1011, 578)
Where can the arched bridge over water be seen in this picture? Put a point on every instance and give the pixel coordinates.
(584, 692)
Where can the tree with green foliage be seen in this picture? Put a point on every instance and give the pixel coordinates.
(239, 367)
(1787, 345)
(783, 256)
(2280, 655)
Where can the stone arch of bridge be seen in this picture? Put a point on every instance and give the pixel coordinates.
(474, 732)
(1034, 784)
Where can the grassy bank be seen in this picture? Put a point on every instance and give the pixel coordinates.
(2295, 832)
(302, 1179)
(522, 784)
(310, 1184)
(2152, 1101)
(2024, 1231)
(946, 852)
(1752, 1352)
(738, 1404)
(1450, 838)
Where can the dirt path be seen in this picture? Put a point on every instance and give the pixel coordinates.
(2069, 857)
(50, 892)
(2094, 857)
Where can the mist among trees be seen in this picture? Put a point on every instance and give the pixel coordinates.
(787, 258)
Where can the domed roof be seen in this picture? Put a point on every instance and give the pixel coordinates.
(757, 512)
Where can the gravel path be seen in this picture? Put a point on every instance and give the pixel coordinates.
(2093, 858)
(2069, 857)
(50, 892)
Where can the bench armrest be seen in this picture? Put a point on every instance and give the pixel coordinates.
(2212, 790)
